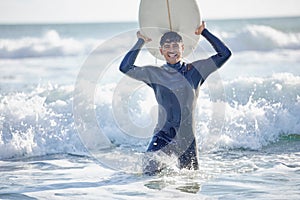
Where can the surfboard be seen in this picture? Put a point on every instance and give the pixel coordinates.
(159, 16)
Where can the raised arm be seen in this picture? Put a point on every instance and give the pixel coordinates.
(207, 66)
(223, 53)
(129, 59)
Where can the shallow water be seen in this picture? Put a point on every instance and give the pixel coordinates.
(270, 173)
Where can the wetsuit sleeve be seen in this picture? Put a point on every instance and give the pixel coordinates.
(207, 66)
(127, 65)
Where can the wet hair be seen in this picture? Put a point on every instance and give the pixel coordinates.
(169, 37)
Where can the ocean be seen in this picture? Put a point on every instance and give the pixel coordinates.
(72, 126)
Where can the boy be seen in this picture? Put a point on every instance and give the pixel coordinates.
(175, 85)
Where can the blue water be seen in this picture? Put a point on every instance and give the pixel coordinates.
(78, 31)
(248, 125)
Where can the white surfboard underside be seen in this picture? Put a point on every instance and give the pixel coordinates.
(159, 16)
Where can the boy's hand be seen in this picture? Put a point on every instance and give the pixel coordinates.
(145, 38)
(199, 30)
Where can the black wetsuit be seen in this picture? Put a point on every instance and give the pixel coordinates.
(176, 90)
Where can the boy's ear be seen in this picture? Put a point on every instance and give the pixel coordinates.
(160, 50)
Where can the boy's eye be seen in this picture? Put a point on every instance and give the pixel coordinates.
(175, 46)
(168, 46)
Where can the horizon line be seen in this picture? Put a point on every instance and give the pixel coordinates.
(134, 21)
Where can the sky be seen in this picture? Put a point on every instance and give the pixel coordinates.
(61, 11)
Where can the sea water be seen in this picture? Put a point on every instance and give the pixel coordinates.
(247, 118)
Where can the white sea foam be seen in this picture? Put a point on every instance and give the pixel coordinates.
(257, 112)
(49, 45)
(37, 123)
(261, 38)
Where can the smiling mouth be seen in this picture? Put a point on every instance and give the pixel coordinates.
(172, 55)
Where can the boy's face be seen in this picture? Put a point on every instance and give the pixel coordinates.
(172, 51)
